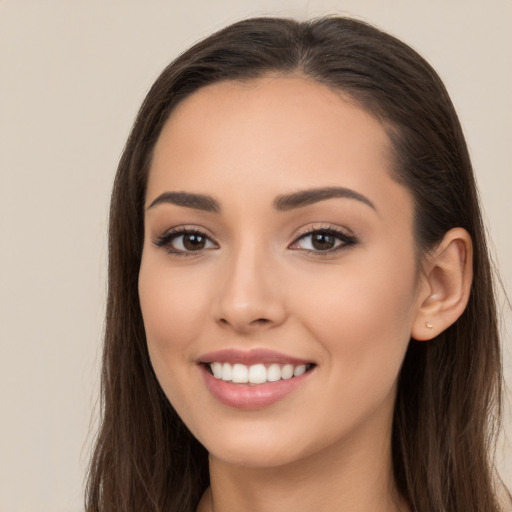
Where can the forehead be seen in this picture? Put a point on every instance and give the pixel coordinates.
(271, 134)
(293, 108)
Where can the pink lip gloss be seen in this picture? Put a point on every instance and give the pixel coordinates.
(249, 395)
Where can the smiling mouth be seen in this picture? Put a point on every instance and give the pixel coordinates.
(257, 373)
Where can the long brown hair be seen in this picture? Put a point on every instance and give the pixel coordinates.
(449, 392)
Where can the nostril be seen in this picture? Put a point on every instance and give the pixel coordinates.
(253, 324)
(260, 321)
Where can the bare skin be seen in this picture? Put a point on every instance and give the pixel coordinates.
(235, 271)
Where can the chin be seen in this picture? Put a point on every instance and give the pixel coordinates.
(254, 446)
(257, 457)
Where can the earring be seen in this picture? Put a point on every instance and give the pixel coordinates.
(429, 325)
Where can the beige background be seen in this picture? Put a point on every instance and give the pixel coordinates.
(72, 75)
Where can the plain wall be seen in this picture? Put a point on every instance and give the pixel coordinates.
(72, 76)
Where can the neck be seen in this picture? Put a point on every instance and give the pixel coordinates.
(339, 479)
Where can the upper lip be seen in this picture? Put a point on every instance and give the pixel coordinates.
(249, 357)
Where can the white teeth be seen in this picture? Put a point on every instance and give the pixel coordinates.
(217, 370)
(257, 373)
(227, 372)
(299, 370)
(273, 372)
(287, 371)
(240, 373)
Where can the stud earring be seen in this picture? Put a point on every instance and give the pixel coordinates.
(429, 325)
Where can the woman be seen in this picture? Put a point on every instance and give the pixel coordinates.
(300, 310)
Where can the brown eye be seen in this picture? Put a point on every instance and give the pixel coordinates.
(185, 242)
(194, 242)
(323, 241)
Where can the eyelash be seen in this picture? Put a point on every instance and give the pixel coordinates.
(167, 238)
(347, 240)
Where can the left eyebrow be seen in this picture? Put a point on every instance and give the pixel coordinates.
(307, 197)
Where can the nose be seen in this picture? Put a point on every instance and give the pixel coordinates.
(250, 294)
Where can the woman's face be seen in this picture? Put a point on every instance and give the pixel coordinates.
(276, 241)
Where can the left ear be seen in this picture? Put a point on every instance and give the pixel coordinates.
(445, 285)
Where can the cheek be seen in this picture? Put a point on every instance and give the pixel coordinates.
(173, 313)
(363, 320)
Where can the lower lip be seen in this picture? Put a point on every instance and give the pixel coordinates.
(251, 396)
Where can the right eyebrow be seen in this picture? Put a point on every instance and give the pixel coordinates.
(189, 200)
